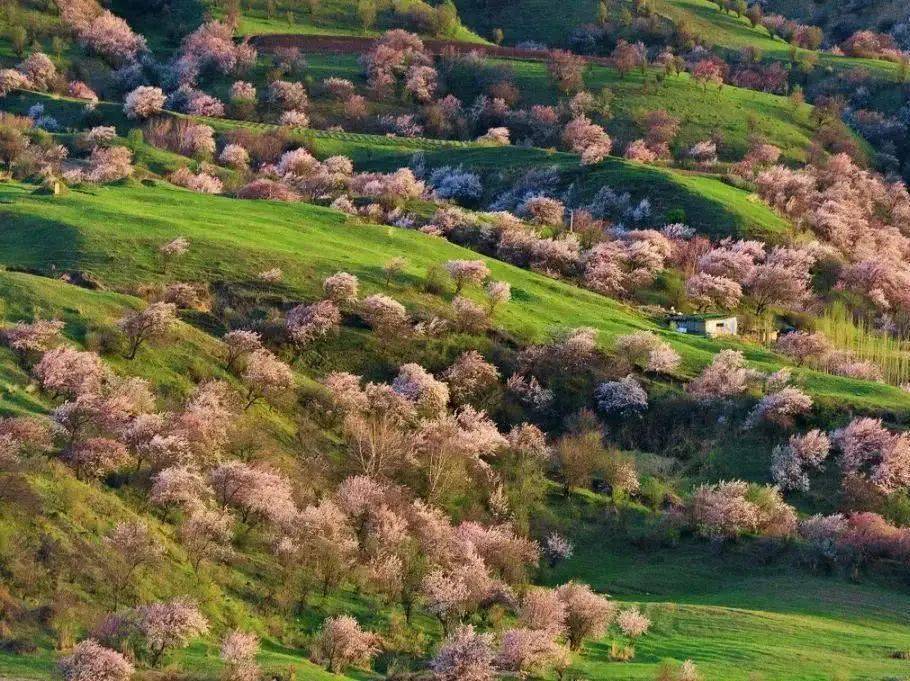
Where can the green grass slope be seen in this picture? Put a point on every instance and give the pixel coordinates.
(331, 17)
(75, 515)
(551, 24)
(734, 112)
(710, 204)
(732, 33)
(529, 20)
(739, 617)
(113, 233)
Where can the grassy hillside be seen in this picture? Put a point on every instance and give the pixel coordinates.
(755, 600)
(113, 233)
(547, 23)
(733, 112)
(840, 19)
(729, 32)
(531, 20)
(324, 17)
(736, 618)
(710, 204)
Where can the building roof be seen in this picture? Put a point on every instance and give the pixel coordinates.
(699, 317)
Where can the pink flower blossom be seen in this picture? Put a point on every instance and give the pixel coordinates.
(90, 661)
(144, 102)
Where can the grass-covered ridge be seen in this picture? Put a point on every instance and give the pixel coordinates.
(709, 203)
(733, 112)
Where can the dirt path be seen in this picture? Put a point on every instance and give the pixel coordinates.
(340, 44)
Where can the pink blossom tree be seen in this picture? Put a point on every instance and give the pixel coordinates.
(543, 210)
(132, 547)
(180, 486)
(34, 337)
(265, 376)
(470, 377)
(95, 457)
(708, 72)
(632, 623)
(566, 69)
(90, 661)
(341, 288)
(342, 644)
(173, 249)
(804, 347)
(206, 535)
(108, 164)
(624, 397)
(557, 548)
(240, 343)
(732, 508)
(420, 82)
(429, 395)
(324, 544)
(543, 609)
(308, 323)
(150, 323)
(257, 492)
(238, 653)
(65, 371)
(587, 614)
(587, 139)
(783, 279)
(144, 102)
(707, 291)
(643, 349)
(465, 655)
(791, 462)
(498, 293)
(726, 376)
(235, 156)
(386, 315)
(168, 625)
(393, 55)
(464, 272)
(496, 137)
(39, 71)
(111, 37)
(638, 150)
(780, 407)
(530, 652)
(627, 56)
(211, 46)
(869, 450)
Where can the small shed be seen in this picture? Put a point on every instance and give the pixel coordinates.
(710, 325)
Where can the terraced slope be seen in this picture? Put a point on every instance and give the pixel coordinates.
(710, 204)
